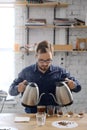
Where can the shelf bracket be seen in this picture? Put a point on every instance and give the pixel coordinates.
(67, 35)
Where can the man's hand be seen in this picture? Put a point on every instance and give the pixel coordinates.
(70, 83)
(22, 86)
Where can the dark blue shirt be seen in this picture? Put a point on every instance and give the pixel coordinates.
(45, 81)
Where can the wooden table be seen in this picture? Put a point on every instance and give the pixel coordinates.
(7, 120)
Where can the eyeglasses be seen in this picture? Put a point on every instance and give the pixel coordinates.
(45, 61)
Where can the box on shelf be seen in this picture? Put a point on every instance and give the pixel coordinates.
(35, 22)
(35, 1)
(64, 22)
(63, 47)
(81, 44)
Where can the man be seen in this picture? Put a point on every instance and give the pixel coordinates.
(45, 75)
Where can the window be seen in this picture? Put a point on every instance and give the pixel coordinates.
(6, 46)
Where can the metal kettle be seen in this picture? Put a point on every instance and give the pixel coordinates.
(31, 95)
(63, 94)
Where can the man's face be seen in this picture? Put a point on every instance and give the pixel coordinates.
(44, 61)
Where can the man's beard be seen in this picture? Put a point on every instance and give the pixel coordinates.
(43, 68)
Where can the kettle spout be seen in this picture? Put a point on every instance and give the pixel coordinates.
(53, 97)
(40, 97)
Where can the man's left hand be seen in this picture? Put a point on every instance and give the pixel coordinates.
(70, 83)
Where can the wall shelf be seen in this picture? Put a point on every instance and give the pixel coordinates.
(71, 27)
(52, 26)
(45, 4)
(63, 47)
(57, 48)
(15, 3)
(55, 5)
(44, 26)
(81, 26)
(48, 4)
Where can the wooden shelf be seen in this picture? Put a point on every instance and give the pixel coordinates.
(63, 47)
(25, 3)
(10, 4)
(67, 48)
(82, 26)
(48, 4)
(44, 26)
(58, 48)
(71, 27)
(72, 51)
(18, 2)
(35, 27)
(51, 26)
(45, 4)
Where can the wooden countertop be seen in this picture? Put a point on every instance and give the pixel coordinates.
(7, 120)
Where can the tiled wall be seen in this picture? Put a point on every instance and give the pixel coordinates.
(75, 62)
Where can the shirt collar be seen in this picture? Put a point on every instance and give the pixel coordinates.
(35, 67)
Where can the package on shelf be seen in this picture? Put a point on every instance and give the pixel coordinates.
(79, 21)
(64, 22)
(35, 1)
(34, 22)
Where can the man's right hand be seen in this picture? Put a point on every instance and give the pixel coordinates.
(22, 86)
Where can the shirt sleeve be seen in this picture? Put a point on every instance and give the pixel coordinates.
(66, 74)
(13, 90)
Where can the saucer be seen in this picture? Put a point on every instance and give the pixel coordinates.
(64, 124)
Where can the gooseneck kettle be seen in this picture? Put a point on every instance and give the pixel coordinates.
(31, 95)
(63, 95)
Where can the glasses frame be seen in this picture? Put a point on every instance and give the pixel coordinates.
(45, 61)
